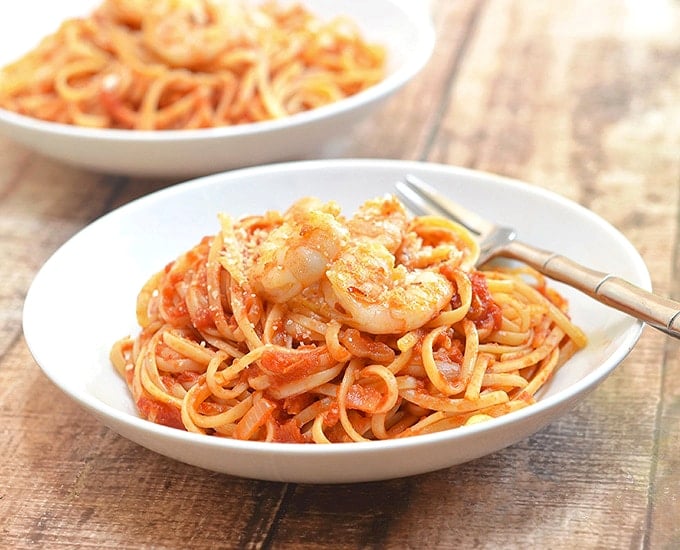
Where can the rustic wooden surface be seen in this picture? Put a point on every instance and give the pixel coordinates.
(576, 96)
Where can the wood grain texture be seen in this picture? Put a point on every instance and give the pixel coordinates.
(578, 97)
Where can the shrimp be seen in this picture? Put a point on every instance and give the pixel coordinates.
(127, 12)
(188, 34)
(353, 263)
(296, 254)
(380, 297)
(382, 220)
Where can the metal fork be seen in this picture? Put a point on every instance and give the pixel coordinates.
(495, 240)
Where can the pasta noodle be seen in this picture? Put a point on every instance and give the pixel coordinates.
(308, 326)
(181, 64)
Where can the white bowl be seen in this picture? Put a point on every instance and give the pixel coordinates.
(403, 26)
(83, 299)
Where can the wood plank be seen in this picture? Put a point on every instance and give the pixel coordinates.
(408, 118)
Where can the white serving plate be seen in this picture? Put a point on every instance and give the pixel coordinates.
(83, 299)
(403, 26)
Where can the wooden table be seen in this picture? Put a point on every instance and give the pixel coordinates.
(576, 96)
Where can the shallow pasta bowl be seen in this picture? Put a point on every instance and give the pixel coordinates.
(402, 26)
(83, 299)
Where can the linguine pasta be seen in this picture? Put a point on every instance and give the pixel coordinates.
(181, 64)
(308, 326)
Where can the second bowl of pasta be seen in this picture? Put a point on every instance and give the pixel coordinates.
(192, 87)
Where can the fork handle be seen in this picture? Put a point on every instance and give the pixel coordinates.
(657, 311)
